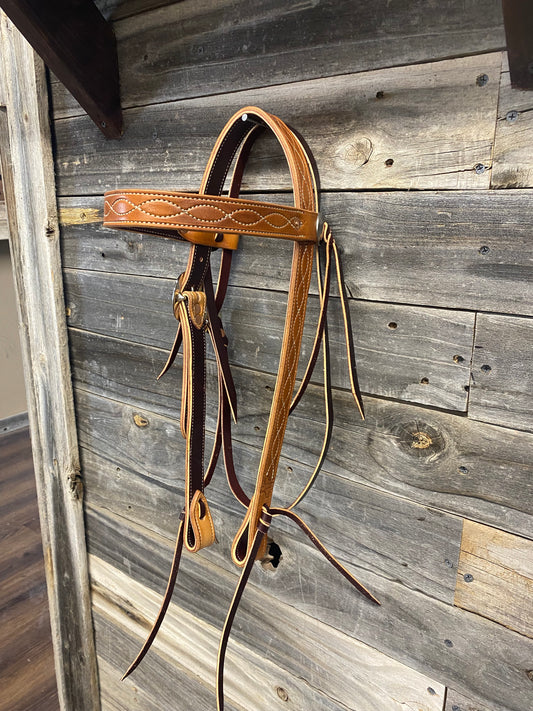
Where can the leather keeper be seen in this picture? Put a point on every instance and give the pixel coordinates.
(211, 239)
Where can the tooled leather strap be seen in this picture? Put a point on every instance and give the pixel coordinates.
(208, 220)
(213, 221)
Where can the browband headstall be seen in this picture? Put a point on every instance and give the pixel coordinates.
(209, 220)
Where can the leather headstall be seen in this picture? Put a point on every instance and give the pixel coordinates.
(209, 221)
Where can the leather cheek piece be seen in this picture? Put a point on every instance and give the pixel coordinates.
(201, 523)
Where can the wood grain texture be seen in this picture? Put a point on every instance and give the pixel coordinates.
(28, 181)
(27, 673)
(502, 374)
(447, 644)
(157, 681)
(137, 473)
(513, 145)
(187, 49)
(352, 133)
(420, 248)
(325, 671)
(495, 576)
(434, 458)
(459, 702)
(398, 348)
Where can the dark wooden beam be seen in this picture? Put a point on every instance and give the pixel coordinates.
(79, 46)
(518, 19)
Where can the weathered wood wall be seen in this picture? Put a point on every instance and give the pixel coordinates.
(408, 110)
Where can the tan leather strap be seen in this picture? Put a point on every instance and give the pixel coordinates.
(209, 220)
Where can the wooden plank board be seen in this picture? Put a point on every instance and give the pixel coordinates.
(188, 49)
(27, 673)
(320, 669)
(133, 472)
(420, 248)
(157, 681)
(459, 702)
(28, 182)
(434, 458)
(353, 133)
(513, 145)
(449, 645)
(495, 576)
(518, 21)
(414, 354)
(502, 374)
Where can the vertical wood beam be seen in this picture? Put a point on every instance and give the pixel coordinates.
(518, 20)
(79, 46)
(29, 186)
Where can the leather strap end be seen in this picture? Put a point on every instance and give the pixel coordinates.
(199, 520)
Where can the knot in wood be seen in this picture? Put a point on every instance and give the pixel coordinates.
(140, 420)
(421, 440)
(358, 151)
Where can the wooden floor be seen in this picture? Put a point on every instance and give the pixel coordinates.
(27, 677)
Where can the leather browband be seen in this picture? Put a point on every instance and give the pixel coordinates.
(209, 220)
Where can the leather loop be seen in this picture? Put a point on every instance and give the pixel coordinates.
(198, 518)
(210, 221)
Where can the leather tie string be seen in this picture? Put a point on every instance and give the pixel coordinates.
(209, 221)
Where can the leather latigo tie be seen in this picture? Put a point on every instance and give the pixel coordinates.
(211, 221)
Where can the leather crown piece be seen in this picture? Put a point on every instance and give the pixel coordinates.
(209, 221)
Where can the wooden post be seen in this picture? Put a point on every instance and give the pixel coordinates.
(518, 20)
(79, 46)
(29, 186)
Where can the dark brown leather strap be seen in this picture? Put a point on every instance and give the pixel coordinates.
(209, 221)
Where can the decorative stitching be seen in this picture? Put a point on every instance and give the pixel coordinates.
(187, 211)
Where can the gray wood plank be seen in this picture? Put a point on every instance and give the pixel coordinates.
(434, 458)
(189, 49)
(127, 469)
(459, 702)
(446, 643)
(420, 248)
(513, 145)
(321, 669)
(29, 188)
(414, 354)
(502, 372)
(353, 134)
(158, 684)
